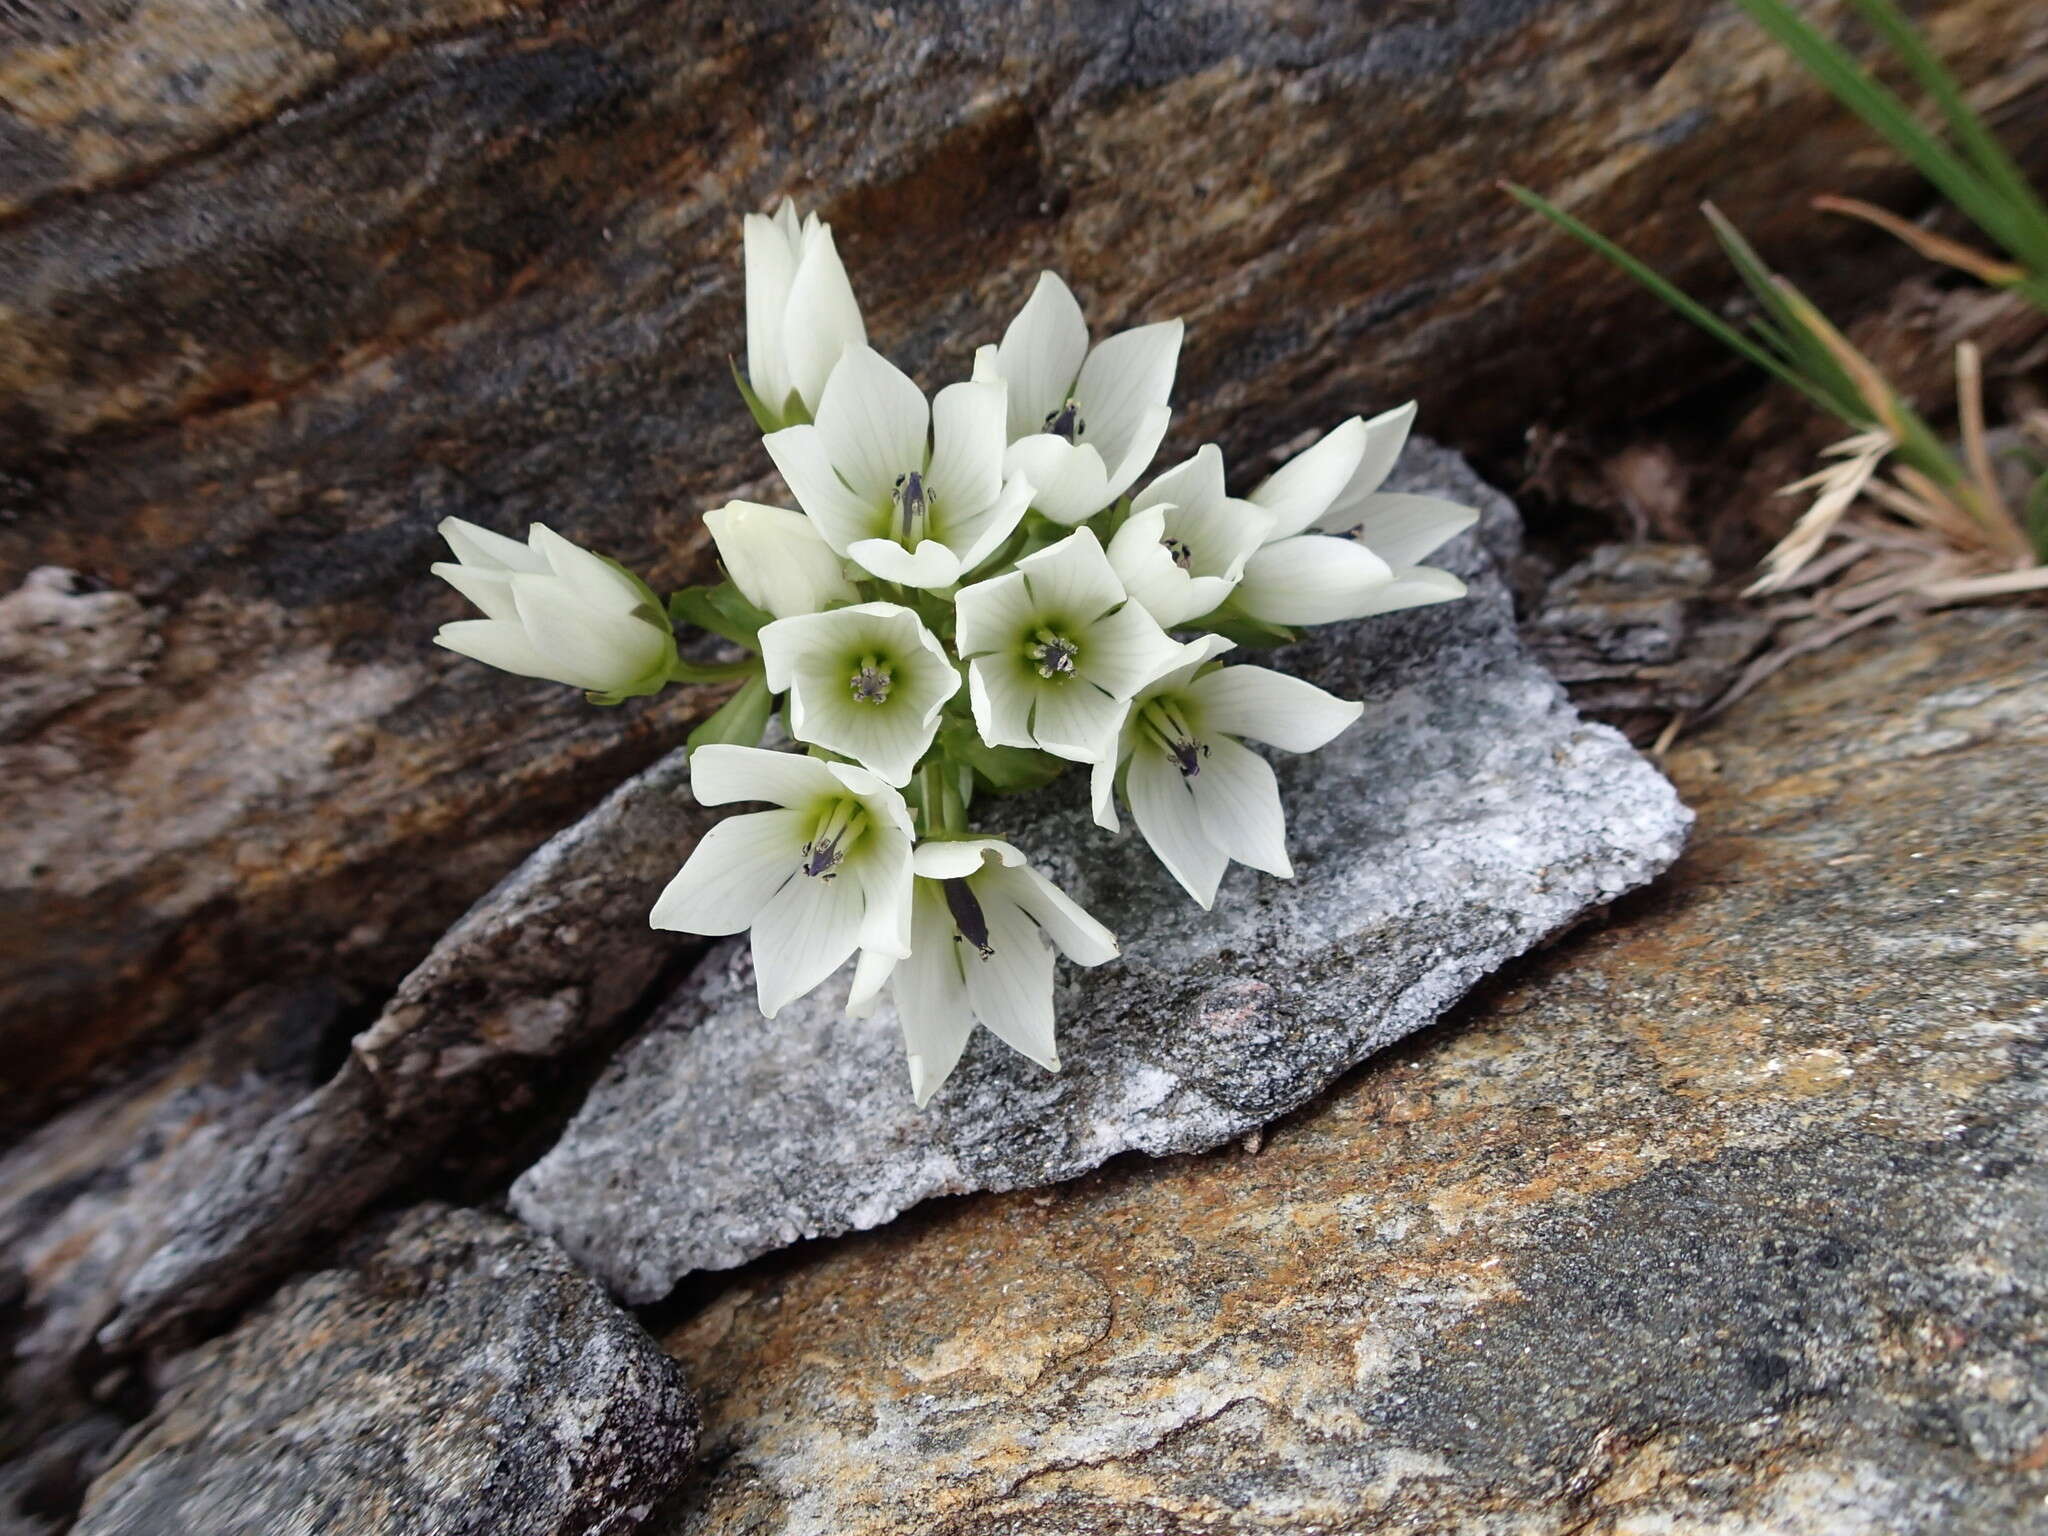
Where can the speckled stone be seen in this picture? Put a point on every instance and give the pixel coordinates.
(1727, 1218)
(1469, 815)
(461, 1378)
(283, 282)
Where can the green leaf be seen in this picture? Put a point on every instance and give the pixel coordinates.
(723, 610)
(1006, 770)
(740, 720)
(764, 418)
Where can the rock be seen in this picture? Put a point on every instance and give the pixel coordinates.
(1469, 816)
(1635, 628)
(87, 1198)
(282, 284)
(1728, 1217)
(459, 1377)
(530, 983)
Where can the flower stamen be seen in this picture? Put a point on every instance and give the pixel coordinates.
(914, 508)
(871, 681)
(1182, 555)
(833, 838)
(1162, 721)
(1054, 655)
(968, 917)
(1066, 422)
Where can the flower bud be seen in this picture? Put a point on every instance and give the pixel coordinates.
(801, 312)
(778, 559)
(556, 611)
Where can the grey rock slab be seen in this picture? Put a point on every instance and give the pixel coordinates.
(1470, 815)
(538, 971)
(462, 1376)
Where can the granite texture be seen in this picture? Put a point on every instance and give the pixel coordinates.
(1469, 815)
(533, 981)
(283, 282)
(1727, 1218)
(459, 1378)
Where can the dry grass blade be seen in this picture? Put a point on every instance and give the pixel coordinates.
(1839, 484)
(1950, 253)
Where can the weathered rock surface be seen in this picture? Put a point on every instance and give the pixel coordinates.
(1470, 815)
(283, 283)
(461, 1378)
(533, 979)
(1730, 1217)
(88, 1197)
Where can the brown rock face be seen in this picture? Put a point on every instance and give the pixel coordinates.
(281, 284)
(1729, 1217)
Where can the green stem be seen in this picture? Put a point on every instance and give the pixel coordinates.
(681, 671)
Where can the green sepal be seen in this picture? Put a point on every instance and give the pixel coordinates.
(740, 721)
(682, 670)
(723, 610)
(1005, 770)
(1234, 624)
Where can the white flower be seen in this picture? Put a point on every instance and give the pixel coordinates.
(801, 313)
(827, 872)
(1054, 649)
(1310, 578)
(911, 493)
(556, 611)
(866, 682)
(1199, 795)
(777, 559)
(984, 925)
(1083, 424)
(1186, 542)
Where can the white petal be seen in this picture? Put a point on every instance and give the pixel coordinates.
(1010, 987)
(1303, 489)
(1144, 440)
(597, 650)
(778, 559)
(1195, 482)
(1220, 535)
(732, 872)
(497, 643)
(976, 535)
(1073, 932)
(491, 591)
(1001, 695)
(884, 875)
(928, 567)
(1070, 484)
(1239, 803)
(891, 814)
(822, 321)
(875, 423)
(1146, 570)
(1272, 707)
(991, 615)
(967, 447)
(597, 582)
(1125, 380)
(1403, 529)
(1075, 720)
(871, 973)
(841, 517)
(1122, 650)
(931, 995)
(805, 933)
(956, 859)
(1041, 353)
(986, 369)
(1102, 791)
(770, 260)
(1386, 435)
(721, 774)
(1416, 587)
(886, 740)
(1165, 813)
(1312, 579)
(1071, 582)
(489, 551)
(1179, 670)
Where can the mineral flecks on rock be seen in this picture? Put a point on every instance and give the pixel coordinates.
(1729, 1217)
(460, 1377)
(1468, 816)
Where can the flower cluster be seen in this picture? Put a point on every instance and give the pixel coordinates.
(971, 593)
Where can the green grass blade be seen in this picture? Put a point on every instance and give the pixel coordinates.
(1890, 119)
(1977, 141)
(1793, 341)
(1672, 295)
